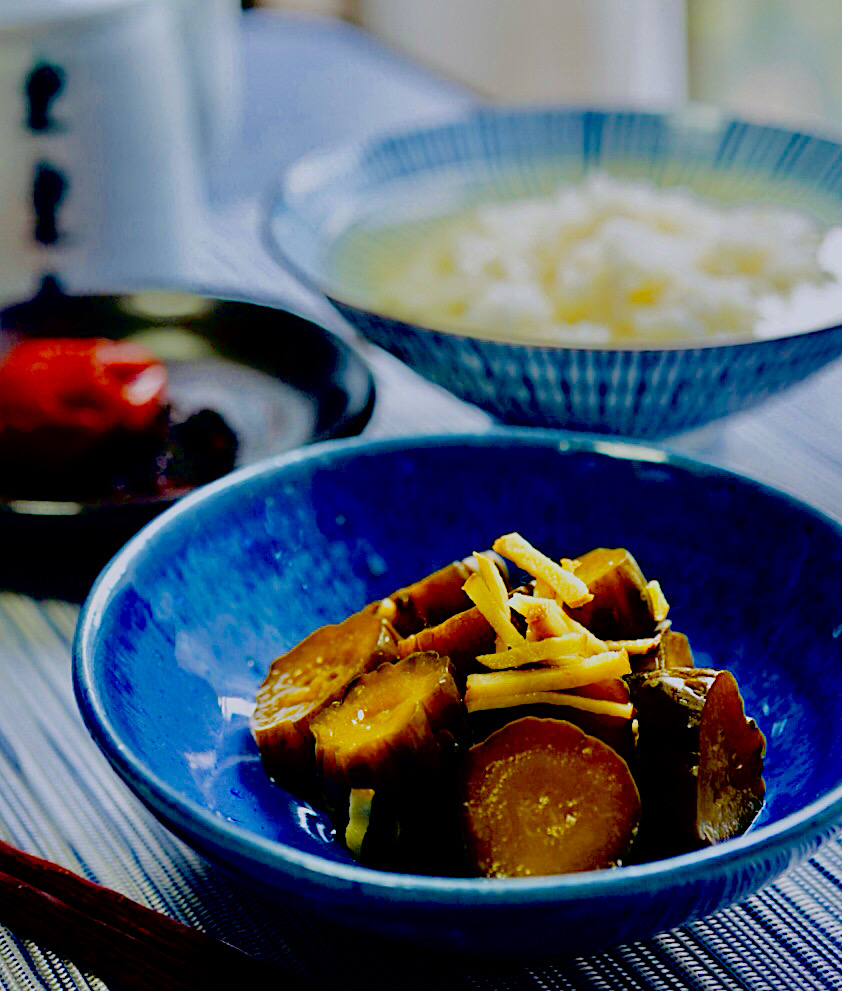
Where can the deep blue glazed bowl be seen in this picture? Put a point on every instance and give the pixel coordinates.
(328, 200)
(180, 630)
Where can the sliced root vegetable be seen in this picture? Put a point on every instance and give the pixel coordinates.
(403, 717)
(359, 818)
(666, 759)
(603, 707)
(672, 650)
(309, 678)
(544, 617)
(568, 586)
(438, 596)
(480, 687)
(461, 638)
(669, 707)
(396, 737)
(495, 614)
(618, 609)
(698, 761)
(644, 645)
(490, 574)
(731, 750)
(570, 648)
(541, 797)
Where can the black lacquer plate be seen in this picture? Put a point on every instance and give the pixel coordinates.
(279, 381)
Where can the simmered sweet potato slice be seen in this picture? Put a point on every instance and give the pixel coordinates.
(402, 716)
(731, 752)
(397, 734)
(541, 797)
(461, 638)
(306, 680)
(320, 669)
(619, 609)
(435, 598)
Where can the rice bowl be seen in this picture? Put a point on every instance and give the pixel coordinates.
(397, 187)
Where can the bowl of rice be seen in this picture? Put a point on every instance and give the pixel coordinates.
(620, 272)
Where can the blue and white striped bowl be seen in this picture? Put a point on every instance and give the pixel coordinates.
(629, 390)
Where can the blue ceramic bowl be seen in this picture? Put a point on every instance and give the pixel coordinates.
(331, 203)
(180, 630)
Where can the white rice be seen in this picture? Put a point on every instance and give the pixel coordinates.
(603, 260)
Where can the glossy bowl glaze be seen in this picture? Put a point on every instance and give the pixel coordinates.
(329, 201)
(180, 630)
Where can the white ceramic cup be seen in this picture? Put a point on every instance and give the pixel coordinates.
(99, 171)
(210, 36)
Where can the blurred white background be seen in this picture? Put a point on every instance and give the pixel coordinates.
(775, 60)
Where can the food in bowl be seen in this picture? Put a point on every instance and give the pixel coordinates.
(464, 727)
(91, 418)
(604, 261)
(338, 211)
(178, 635)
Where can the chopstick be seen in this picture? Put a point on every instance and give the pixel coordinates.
(118, 939)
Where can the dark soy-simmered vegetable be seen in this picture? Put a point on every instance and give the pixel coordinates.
(731, 752)
(542, 797)
(461, 637)
(615, 730)
(414, 829)
(386, 757)
(403, 718)
(432, 600)
(321, 668)
(596, 742)
(669, 705)
(306, 680)
(698, 785)
(619, 609)
(673, 650)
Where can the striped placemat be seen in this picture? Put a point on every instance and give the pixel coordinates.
(59, 799)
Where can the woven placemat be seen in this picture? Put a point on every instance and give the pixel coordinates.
(59, 799)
